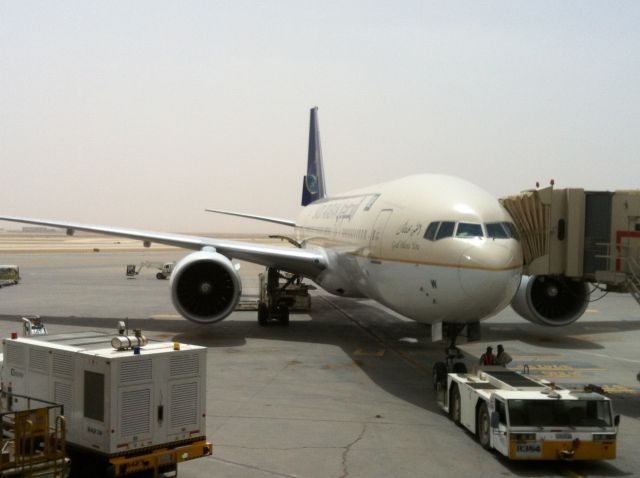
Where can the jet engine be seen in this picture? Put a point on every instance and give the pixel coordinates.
(205, 287)
(552, 301)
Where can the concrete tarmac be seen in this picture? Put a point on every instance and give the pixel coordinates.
(346, 389)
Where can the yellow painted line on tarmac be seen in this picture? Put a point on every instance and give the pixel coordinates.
(422, 368)
(563, 368)
(620, 389)
(537, 357)
(592, 311)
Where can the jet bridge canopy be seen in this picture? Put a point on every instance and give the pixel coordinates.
(591, 236)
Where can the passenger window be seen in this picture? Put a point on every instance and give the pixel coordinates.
(466, 229)
(495, 230)
(430, 233)
(446, 229)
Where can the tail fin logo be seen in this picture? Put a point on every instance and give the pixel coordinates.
(313, 186)
(311, 182)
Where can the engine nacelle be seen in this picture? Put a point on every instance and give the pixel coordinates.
(205, 287)
(553, 301)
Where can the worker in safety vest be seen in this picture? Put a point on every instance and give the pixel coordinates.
(488, 358)
(503, 358)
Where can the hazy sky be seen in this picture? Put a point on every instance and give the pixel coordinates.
(142, 113)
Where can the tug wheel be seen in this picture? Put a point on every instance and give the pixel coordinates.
(484, 426)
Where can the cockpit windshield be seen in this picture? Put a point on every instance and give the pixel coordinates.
(511, 228)
(501, 230)
(494, 230)
(445, 230)
(466, 229)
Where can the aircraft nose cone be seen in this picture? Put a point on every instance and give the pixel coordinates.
(490, 273)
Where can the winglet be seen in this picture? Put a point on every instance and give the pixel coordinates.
(313, 187)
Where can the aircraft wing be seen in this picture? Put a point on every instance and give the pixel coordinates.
(275, 220)
(300, 261)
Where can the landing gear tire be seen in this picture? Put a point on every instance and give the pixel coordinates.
(439, 375)
(459, 367)
(263, 314)
(483, 427)
(283, 315)
(454, 404)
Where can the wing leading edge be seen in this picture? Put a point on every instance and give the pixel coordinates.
(275, 220)
(300, 261)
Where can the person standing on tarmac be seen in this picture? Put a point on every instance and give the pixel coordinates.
(503, 358)
(488, 358)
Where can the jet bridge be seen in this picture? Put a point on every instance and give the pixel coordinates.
(583, 236)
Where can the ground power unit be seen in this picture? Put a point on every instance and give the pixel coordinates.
(127, 407)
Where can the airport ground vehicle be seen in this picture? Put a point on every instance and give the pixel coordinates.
(526, 419)
(165, 269)
(130, 405)
(9, 275)
(32, 438)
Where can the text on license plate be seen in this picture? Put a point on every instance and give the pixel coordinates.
(528, 449)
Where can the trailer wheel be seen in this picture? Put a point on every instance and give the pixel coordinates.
(263, 314)
(454, 404)
(483, 426)
(160, 276)
(283, 315)
(439, 375)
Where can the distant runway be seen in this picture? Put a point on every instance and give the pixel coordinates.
(345, 390)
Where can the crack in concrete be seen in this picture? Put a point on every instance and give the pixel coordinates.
(254, 395)
(272, 448)
(257, 468)
(347, 449)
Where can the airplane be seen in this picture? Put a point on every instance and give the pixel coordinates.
(434, 248)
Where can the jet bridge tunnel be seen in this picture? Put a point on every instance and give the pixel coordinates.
(580, 236)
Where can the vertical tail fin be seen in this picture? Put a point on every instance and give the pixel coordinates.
(313, 187)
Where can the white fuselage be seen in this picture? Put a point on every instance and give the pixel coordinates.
(374, 239)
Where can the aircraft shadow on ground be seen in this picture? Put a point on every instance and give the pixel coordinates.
(574, 337)
(362, 331)
(372, 330)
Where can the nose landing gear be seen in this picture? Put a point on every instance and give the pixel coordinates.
(453, 355)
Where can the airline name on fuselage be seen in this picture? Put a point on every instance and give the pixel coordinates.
(343, 208)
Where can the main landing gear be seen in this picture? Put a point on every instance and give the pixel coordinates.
(280, 293)
(453, 355)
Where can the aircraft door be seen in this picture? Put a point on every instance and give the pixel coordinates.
(375, 240)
